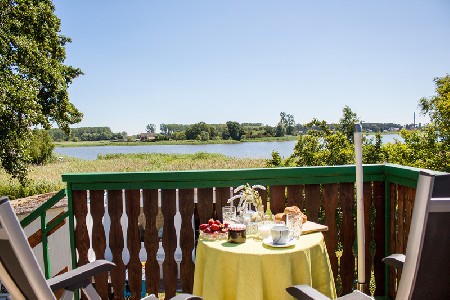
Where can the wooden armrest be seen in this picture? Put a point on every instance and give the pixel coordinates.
(395, 260)
(305, 292)
(80, 277)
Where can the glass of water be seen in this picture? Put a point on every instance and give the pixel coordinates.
(229, 214)
(294, 223)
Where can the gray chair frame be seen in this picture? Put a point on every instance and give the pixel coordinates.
(426, 265)
(21, 275)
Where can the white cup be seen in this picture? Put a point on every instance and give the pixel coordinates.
(280, 234)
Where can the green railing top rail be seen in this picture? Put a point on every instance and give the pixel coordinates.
(43, 208)
(225, 178)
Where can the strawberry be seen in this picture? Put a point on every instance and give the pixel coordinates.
(217, 222)
(207, 230)
(203, 226)
(215, 227)
(210, 222)
(226, 225)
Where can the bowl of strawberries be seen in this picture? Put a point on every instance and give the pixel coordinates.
(213, 230)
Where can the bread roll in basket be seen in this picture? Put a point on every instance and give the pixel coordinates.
(290, 210)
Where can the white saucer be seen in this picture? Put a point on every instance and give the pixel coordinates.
(268, 241)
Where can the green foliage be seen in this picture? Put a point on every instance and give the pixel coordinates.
(286, 125)
(430, 147)
(329, 149)
(322, 146)
(33, 79)
(346, 123)
(41, 147)
(199, 131)
(276, 160)
(150, 128)
(86, 134)
(372, 152)
(234, 131)
(438, 109)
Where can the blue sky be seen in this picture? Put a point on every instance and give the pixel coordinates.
(247, 61)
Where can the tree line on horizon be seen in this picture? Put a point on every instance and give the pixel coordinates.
(205, 132)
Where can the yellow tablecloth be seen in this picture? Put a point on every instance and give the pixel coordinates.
(253, 270)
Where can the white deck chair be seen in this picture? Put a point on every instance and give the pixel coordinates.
(426, 265)
(22, 276)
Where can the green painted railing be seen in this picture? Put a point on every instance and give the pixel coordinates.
(309, 180)
(46, 228)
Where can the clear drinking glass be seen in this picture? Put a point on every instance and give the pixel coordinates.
(294, 223)
(229, 214)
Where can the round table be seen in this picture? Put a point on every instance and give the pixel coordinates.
(253, 270)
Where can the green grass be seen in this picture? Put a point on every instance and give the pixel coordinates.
(47, 178)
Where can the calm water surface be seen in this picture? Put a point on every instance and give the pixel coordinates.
(241, 150)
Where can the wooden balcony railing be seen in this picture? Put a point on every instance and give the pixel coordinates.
(108, 211)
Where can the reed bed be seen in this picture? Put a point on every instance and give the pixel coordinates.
(47, 178)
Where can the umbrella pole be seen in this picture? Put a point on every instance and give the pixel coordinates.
(361, 285)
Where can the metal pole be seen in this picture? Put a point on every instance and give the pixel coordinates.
(360, 209)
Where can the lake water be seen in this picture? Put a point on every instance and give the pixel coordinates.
(241, 150)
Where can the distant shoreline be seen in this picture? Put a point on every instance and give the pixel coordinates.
(171, 142)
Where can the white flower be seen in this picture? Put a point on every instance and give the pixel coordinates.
(247, 194)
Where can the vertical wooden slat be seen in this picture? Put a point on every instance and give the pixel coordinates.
(81, 234)
(151, 241)
(263, 194)
(347, 237)
(295, 195)
(116, 242)
(330, 204)
(169, 242)
(186, 204)
(401, 222)
(222, 196)
(205, 207)
(132, 206)
(312, 201)
(379, 236)
(367, 196)
(410, 195)
(392, 273)
(99, 239)
(277, 199)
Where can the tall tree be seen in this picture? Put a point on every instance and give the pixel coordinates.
(430, 147)
(150, 128)
(235, 130)
(33, 79)
(438, 108)
(347, 122)
(290, 124)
